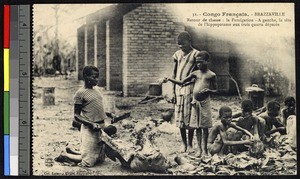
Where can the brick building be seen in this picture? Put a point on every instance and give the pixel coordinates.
(132, 45)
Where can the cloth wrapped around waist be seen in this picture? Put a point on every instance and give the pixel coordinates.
(92, 150)
(183, 106)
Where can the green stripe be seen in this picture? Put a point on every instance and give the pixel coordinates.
(6, 112)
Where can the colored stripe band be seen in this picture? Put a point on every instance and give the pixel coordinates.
(6, 155)
(6, 44)
(6, 69)
(6, 26)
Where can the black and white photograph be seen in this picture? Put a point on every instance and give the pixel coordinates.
(164, 89)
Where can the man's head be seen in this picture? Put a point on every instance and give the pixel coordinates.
(290, 102)
(247, 106)
(184, 41)
(202, 60)
(90, 75)
(225, 114)
(273, 108)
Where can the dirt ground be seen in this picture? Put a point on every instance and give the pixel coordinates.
(52, 131)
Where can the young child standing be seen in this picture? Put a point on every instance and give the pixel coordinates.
(218, 145)
(89, 111)
(205, 84)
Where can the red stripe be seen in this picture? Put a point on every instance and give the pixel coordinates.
(6, 26)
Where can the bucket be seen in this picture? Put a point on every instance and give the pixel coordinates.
(155, 89)
(256, 95)
(48, 96)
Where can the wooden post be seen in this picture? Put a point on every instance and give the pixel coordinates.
(48, 96)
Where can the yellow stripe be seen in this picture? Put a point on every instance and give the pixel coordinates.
(6, 69)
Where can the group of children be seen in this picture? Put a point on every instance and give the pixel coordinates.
(232, 131)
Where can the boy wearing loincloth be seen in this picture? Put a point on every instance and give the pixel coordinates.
(205, 84)
(218, 140)
(89, 113)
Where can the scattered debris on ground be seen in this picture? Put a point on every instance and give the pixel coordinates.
(152, 119)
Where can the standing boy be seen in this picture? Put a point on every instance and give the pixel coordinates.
(205, 84)
(218, 145)
(184, 63)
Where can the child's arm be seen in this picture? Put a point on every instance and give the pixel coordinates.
(173, 97)
(237, 114)
(174, 74)
(229, 142)
(241, 129)
(282, 131)
(279, 128)
(83, 120)
(181, 82)
(213, 86)
(283, 116)
(212, 135)
(255, 128)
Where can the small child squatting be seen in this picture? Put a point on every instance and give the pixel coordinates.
(246, 120)
(205, 85)
(271, 118)
(218, 140)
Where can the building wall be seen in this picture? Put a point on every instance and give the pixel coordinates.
(101, 52)
(219, 51)
(90, 44)
(149, 41)
(114, 32)
(80, 47)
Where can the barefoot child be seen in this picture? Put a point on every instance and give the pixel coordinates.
(247, 121)
(89, 111)
(184, 64)
(218, 145)
(205, 84)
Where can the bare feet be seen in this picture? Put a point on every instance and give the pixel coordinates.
(62, 157)
(204, 154)
(70, 151)
(63, 153)
(193, 101)
(198, 154)
(183, 148)
(189, 149)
